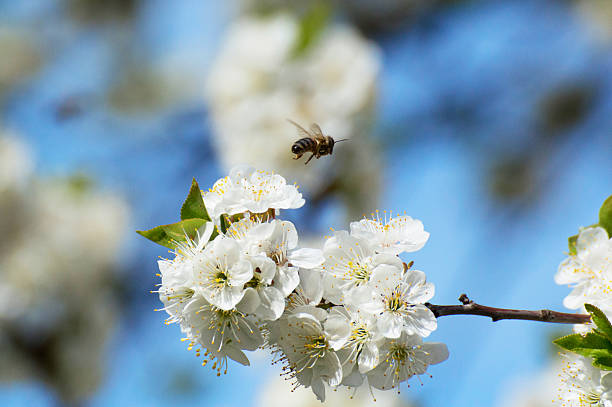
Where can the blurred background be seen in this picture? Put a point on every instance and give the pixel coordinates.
(489, 121)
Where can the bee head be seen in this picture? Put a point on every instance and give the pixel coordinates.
(330, 144)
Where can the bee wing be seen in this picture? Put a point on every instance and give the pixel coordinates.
(316, 130)
(301, 131)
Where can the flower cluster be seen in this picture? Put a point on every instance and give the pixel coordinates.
(589, 272)
(349, 314)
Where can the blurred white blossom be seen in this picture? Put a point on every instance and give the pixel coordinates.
(258, 81)
(56, 266)
(278, 391)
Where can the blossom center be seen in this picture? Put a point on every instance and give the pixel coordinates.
(399, 353)
(394, 302)
(315, 346)
(219, 279)
(255, 282)
(359, 335)
(359, 272)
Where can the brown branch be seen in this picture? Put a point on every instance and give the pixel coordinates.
(471, 308)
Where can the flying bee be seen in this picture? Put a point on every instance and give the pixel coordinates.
(313, 141)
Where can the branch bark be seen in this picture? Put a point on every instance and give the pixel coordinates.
(469, 307)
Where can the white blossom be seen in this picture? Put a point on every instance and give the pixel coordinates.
(260, 297)
(220, 273)
(305, 348)
(583, 384)
(223, 333)
(58, 269)
(246, 189)
(589, 271)
(362, 346)
(178, 286)
(257, 82)
(348, 267)
(403, 358)
(397, 300)
(278, 241)
(394, 235)
(15, 164)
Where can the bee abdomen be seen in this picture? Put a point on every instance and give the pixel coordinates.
(303, 144)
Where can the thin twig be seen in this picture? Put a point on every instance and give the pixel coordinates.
(471, 308)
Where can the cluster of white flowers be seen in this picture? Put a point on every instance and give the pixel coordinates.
(349, 313)
(60, 239)
(589, 273)
(257, 81)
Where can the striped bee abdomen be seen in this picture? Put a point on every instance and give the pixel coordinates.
(303, 145)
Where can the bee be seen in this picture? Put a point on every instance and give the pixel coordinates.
(314, 142)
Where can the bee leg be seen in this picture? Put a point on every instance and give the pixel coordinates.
(309, 158)
(295, 157)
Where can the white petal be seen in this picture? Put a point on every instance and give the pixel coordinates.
(226, 298)
(590, 236)
(354, 379)
(240, 273)
(272, 304)
(390, 325)
(420, 292)
(423, 322)
(261, 232)
(314, 313)
(569, 272)
(306, 258)
(285, 230)
(368, 359)
(311, 284)
(577, 297)
(338, 329)
(385, 278)
(336, 377)
(226, 248)
(205, 232)
(286, 279)
(249, 336)
(250, 301)
(318, 388)
(437, 352)
(386, 258)
(236, 354)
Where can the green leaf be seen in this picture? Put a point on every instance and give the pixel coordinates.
(571, 243)
(605, 216)
(311, 26)
(224, 223)
(600, 320)
(169, 235)
(194, 207)
(590, 345)
(603, 362)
